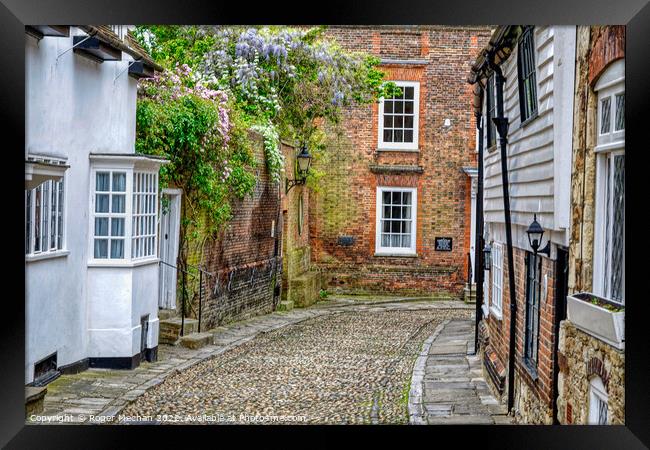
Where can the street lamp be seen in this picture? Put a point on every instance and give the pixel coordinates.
(303, 161)
(487, 257)
(535, 233)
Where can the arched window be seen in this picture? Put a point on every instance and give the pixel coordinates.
(597, 402)
(609, 239)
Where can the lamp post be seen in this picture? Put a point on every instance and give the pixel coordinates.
(303, 162)
(535, 233)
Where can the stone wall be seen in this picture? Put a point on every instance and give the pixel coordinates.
(583, 357)
(300, 285)
(343, 216)
(244, 258)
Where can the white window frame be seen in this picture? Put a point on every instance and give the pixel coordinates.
(127, 260)
(395, 251)
(144, 219)
(60, 235)
(597, 393)
(496, 280)
(401, 146)
(609, 145)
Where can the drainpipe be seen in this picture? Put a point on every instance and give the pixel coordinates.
(478, 247)
(501, 123)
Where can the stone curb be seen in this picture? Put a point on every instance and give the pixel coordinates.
(415, 408)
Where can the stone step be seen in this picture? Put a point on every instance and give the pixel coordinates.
(285, 306)
(164, 314)
(34, 397)
(170, 329)
(196, 340)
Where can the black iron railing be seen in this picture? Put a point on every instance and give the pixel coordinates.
(185, 273)
(469, 274)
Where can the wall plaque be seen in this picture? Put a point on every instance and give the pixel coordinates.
(443, 244)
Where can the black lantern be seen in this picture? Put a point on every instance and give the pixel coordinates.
(303, 161)
(535, 233)
(487, 257)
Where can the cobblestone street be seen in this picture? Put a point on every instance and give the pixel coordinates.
(342, 361)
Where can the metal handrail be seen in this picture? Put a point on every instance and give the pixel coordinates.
(185, 272)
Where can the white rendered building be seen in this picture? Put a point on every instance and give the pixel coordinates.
(91, 204)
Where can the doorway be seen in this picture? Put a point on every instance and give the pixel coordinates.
(170, 216)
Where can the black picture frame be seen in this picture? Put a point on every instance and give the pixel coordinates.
(15, 14)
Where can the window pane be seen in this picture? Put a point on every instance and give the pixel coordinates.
(396, 212)
(385, 240)
(388, 121)
(117, 227)
(618, 228)
(101, 248)
(408, 92)
(399, 106)
(46, 214)
(396, 198)
(408, 136)
(399, 121)
(38, 193)
(388, 136)
(101, 226)
(117, 248)
(119, 182)
(395, 226)
(386, 212)
(408, 121)
(388, 106)
(119, 202)
(604, 115)
(28, 220)
(620, 112)
(398, 136)
(53, 214)
(385, 226)
(102, 182)
(60, 225)
(386, 198)
(406, 227)
(408, 107)
(406, 241)
(101, 203)
(406, 198)
(395, 240)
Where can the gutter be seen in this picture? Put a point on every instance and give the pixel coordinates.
(478, 230)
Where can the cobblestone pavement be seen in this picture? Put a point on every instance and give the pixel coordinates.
(447, 385)
(340, 361)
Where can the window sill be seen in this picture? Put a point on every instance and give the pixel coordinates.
(123, 263)
(492, 149)
(532, 117)
(528, 365)
(395, 255)
(392, 149)
(496, 313)
(46, 255)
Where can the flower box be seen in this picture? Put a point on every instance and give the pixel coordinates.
(598, 317)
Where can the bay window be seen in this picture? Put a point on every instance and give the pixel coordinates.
(124, 209)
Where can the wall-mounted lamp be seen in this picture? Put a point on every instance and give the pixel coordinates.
(487, 257)
(303, 161)
(535, 233)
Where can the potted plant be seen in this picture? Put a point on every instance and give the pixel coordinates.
(601, 318)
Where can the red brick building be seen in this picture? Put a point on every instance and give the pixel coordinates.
(393, 212)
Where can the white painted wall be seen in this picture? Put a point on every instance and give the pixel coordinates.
(539, 153)
(75, 106)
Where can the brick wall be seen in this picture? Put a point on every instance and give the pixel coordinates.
(345, 205)
(533, 395)
(244, 257)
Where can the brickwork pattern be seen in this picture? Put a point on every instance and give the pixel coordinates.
(533, 388)
(345, 206)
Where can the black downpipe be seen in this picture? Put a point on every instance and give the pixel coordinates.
(478, 247)
(501, 123)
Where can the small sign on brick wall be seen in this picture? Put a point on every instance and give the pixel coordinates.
(346, 241)
(443, 244)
